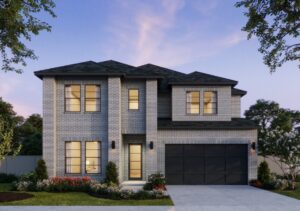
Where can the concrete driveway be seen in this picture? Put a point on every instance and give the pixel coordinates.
(231, 198)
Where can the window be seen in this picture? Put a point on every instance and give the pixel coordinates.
(133, 99)
(192, 102)
(92, 157)
(210, 102)
(72, 98)
(73, 157)
(92, 98)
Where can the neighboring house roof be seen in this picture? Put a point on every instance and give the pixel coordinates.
(239, 92)
(113, 68)
(234, 124)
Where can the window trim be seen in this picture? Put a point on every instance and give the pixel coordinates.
(212, 114)
(130, 109)
(73, 157)
(65, 102)
(186, 103)
(100, 158)
(92, 98)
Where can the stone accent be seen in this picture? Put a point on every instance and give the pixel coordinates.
(49, 124)
(114, 122)
(151, 127)
(133, 121)
(179, 103)
(208, 137)
(236, 106)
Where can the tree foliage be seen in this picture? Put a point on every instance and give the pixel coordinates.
(18, 24)
(279, 136)
(276, 24)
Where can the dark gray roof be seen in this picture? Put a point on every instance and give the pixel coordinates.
(235, 91)
(234, 124)
(202, 78)
(113, 68)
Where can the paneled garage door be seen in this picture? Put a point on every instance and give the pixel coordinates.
(206, 164)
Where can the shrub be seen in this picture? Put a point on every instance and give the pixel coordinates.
(264, 173)
(41, 170)
(29, 177)
(7, 178)
(64, 184)
(156, 182)
(111, 174)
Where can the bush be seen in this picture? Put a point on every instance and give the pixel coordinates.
(156, 182)
(264, 173)
(41, 170)
(29, 177)
(111, 174)
(7, 178)
(64, 184)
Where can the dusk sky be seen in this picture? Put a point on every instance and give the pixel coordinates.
(191, 35)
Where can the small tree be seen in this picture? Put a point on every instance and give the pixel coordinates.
(111, 173)
(264, 173)
(41, 170)
(7, 147)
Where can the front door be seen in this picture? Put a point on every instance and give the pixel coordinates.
(135, 161)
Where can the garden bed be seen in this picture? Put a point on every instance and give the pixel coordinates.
(12, 196)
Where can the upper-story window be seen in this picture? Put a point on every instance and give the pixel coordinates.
(92, 98)
(133, 99)
(72, 98)
(193, 102)
(210, 102)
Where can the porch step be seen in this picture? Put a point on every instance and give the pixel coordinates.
(133, 185)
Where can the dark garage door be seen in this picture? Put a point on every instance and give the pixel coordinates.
(206, 164)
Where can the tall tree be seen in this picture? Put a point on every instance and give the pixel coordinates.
(18, 24)
(276, 24)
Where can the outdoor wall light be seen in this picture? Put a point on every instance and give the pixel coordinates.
(253, 145)
(113, 144)
(151, 144)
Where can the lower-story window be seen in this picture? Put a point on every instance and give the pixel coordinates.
(92, 157)
(73, 157)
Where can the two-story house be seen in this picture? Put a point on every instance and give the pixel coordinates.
(145, 119)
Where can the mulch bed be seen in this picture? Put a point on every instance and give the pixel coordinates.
(12, 196)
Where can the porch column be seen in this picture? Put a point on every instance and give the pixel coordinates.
(151, 127)
(114, 122)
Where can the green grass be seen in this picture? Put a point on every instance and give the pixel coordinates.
(294, 194)
(75, 198)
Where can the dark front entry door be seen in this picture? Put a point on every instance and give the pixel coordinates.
(135, 161)
(206, 163)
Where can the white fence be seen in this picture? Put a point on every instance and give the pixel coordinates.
(19, 164)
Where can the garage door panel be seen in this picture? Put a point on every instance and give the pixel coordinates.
(236, 165)
(236, 150)
(174, 165)
(193, 150)
(215, 179)
(194, 179)
(174, 179)
(214, 150)
(174, 150)
(215, 165)
(236, 179)
(194, 165)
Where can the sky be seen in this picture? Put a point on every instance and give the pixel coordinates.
(185, 35)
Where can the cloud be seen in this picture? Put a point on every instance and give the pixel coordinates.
(164, 33)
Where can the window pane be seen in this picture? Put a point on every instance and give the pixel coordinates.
(92, 169)
(92, 105)
(210, 102)
(133, 99)
(92, 161)
(73, 157)
(193, 102)
(135, 174)
(93, 145)
(135, 149)
(135, 165)
(72, 97)
(92, 91)
(92, 157)
(135, 157)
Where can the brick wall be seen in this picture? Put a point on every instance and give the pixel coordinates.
(236, 106)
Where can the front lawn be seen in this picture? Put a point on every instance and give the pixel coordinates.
(294, 194)
(76, 198)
